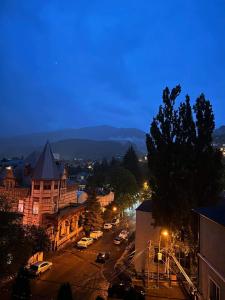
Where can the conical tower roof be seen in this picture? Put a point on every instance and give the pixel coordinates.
(46, 168)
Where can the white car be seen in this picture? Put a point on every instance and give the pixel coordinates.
(115, 221)
(107, 226)
(40, 267)
(96, 234)
(123, 234)
(85, 242)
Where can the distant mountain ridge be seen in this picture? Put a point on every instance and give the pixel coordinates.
(119, 137)
(219, 135)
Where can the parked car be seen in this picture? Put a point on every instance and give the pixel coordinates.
(102, 257)
(118, 240)
(85, 242)
(115, 221)
(124, 234)
(40, 267)
(126, 291)
(107, 226)
(96, 234)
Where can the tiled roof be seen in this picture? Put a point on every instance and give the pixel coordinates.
(214, 213)
(145, 206)
(46, 167)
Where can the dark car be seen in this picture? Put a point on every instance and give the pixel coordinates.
(126, 291)
(102, 257)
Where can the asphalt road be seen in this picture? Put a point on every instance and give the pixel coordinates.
(78, 267)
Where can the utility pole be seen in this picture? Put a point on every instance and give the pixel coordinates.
(158, 254)
(149, 248)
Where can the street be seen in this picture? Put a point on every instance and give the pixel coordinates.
(78, 267)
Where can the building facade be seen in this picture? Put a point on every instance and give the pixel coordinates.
(211, 277)
(147, 240)
(40, 190)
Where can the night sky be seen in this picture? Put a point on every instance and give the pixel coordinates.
(69, 64)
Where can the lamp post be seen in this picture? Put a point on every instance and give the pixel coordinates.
(165, 234)
(114, 208)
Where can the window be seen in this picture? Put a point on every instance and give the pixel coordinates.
(56, 185)
(46, 199)
(20, 206)
(35, 208)
(214, 290)
(36, 187)
(47, 186)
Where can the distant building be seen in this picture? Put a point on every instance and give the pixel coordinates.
(212, 252)
(40, 190)
(104, 200)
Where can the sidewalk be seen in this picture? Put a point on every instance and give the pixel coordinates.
(164, 292)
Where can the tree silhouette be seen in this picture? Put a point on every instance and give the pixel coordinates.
(185, 169)
(130, 162)
(21, 287)
(93, 215)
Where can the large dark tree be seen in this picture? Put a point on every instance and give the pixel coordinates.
(93, 215)
(16, 239)
(130, 162)
(184, 168)
(21, 286)
(124, 186)
(12, 241)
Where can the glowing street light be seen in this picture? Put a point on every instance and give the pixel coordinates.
(165, 233)
(145, 185)
(114, 208)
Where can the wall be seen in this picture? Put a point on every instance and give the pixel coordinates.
(212, 250)
(106, 199)
(144, 233)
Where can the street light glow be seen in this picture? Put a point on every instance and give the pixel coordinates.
(114, 208)
(165, 232)
(145, 185)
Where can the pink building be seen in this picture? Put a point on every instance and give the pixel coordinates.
(41, 191)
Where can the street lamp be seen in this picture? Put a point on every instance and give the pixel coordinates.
(165, 234)
(145, 185)
(114, 208)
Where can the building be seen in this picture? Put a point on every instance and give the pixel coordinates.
(104, 200)
(147, 240)
(39, 189)
(211, 277)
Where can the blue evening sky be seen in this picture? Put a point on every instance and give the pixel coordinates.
(68, 64)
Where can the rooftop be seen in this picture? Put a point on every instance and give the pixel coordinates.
(146, 206)
(214, 213)
(46, 168)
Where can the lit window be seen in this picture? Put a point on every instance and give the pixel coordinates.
(20, 206)
(214, 290)
(35, 208)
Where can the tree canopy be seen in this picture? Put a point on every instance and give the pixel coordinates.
(130, 162)
(16, 239)
(93, 215)
(185, 170)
